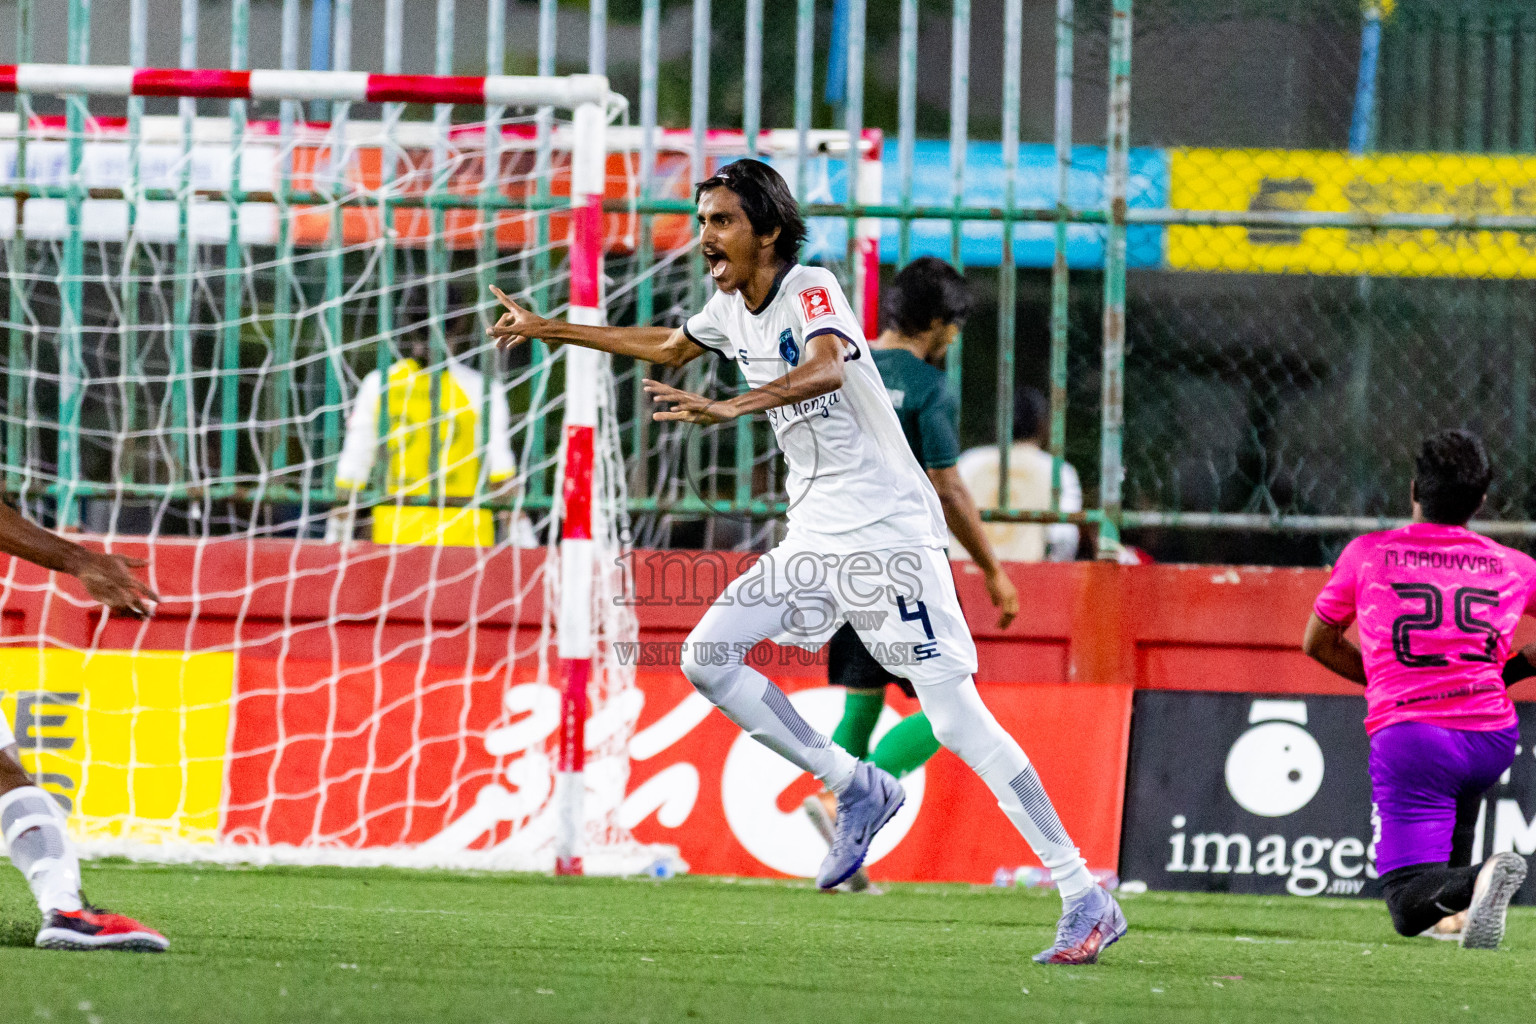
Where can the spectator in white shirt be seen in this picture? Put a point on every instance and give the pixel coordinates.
(1029, 488)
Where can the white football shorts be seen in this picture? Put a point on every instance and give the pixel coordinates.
(901, 602)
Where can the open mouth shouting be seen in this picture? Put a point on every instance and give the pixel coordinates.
(727, 243)
(718, 263)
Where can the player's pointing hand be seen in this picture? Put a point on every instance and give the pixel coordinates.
(516, 325)
(687, 406)
(107, 579)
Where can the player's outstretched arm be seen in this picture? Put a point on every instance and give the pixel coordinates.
(1327, 645)
(964, 521)
(653, 344)
(820, 373)
(105, 577)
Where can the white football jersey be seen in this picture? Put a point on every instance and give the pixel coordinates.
(853, 481)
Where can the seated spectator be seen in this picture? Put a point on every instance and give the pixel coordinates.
(1029, 487)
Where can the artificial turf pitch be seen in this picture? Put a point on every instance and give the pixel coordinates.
(381, 945)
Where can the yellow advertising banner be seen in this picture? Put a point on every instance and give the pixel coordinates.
(1404, 183)
(133, 741)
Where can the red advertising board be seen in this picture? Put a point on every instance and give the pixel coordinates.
(403, 755)
(746, 819)
(355, 755)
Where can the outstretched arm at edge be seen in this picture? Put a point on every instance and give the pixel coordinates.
(105, 577)
(23, 538)
(1327, 645)
(665, 345)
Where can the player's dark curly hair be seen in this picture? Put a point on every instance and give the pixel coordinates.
(1451, 476)
(765, 199)
(927, 289)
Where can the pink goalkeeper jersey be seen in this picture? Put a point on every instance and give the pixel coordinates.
(1438, 606)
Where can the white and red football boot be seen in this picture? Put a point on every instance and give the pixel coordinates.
(94, 928)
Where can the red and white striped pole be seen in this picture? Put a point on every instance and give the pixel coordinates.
(583, 368)
(867, 233)
(566, 92)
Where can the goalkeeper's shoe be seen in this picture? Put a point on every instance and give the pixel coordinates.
(871, 800)
(824, 822)
(1496, 885)
(93, 928)
(1089, 922)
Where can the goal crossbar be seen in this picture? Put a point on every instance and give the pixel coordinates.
(565, 91)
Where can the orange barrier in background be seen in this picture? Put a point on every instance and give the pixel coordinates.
(742, 802)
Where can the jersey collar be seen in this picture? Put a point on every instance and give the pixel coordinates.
(773, 292)
(1436, 530)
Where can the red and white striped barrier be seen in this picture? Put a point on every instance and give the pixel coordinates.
(866, 233)
(566, 91)
(584, 370)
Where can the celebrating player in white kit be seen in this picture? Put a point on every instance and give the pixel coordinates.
(866, 534)
(30, 819)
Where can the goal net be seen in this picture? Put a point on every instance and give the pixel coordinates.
(251, 348)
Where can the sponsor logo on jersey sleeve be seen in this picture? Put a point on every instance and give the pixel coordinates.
(816, 303)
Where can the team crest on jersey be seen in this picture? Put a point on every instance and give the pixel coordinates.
(788, 350)
(816, 303)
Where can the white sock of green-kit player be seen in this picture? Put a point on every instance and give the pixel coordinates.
(964, 724)
(33, 827)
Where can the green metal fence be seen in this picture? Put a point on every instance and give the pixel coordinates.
(1242, 371)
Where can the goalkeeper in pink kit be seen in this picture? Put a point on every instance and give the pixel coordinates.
(1437, 606)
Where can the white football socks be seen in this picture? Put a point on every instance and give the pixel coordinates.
(1022, 798)
(33, 827)
(962, 722)
(752, 701)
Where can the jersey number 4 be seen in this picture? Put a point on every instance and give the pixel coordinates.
(1468, 602)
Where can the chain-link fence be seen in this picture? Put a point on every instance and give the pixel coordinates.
(1327, 294)
(1325, 207)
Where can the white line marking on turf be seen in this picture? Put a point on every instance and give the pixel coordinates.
(390, 910)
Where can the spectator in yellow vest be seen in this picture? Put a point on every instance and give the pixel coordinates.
(406, 387)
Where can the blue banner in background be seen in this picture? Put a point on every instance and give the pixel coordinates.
(981, 242)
